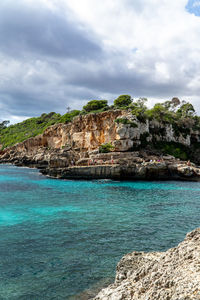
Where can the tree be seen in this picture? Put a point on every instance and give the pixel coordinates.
(172, 105)
(139, 109)
(95, 105)
(186, 110)
(161, 112)
(175, 101)
(141, 102)
(122, 101)
(4, 124)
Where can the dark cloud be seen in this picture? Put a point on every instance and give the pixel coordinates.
(49, 60)
(121, 80)
(35, 43)
(24, 103)
(26, 30)
(32, 102)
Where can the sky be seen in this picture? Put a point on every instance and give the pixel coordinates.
(56, 54)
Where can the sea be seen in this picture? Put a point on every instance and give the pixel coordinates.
(62, 239)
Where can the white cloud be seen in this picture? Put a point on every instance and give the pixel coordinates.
(165, 34)
(143, 47)
(162, 72)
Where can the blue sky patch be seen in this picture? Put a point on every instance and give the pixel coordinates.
(193, 7)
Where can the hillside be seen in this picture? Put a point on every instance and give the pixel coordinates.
(171, 127)
(20, 132)
(127, 143)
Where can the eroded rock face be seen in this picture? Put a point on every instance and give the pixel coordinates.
(88, 132)
(170, 275)
(84, 134)
(62, 145)
(122, 166)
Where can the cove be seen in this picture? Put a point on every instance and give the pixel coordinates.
(61, 237)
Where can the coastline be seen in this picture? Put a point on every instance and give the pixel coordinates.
(169, 275)
(97, 146)
(131, 167)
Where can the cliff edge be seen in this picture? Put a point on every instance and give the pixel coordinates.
(73, 150)
(170, 275)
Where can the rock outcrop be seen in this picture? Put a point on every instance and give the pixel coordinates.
(71, 150)
(128, 165)
(170, 275)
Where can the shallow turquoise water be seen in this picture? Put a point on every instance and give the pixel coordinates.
(59, 237)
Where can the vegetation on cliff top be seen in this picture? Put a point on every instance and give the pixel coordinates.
(94, 105)
(29, 128)
(181, 115)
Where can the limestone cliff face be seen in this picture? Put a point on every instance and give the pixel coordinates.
(90, 131)
(87, 132)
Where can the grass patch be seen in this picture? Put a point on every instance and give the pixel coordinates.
(106, 148)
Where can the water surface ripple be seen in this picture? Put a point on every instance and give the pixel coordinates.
(58, 238)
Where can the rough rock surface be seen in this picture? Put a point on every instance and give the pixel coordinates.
(88, 132)
(71, 150)
(170, 275)
(132, 168)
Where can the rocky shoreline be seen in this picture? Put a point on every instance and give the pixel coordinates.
(115, 165)
(71, 151)
(170, 275)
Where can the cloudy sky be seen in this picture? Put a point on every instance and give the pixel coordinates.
(60, 53)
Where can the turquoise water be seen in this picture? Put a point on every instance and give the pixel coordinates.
(58, 238)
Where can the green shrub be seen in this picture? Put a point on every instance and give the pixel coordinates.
(123, 101)
(106, 148)
(95, 105)
(160, 113)
(68, 117)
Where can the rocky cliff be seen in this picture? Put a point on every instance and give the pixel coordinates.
(170, 275)
(71, 150)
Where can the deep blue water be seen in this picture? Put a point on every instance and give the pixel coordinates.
(58, 238)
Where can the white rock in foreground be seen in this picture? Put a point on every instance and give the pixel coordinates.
(170, 275)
